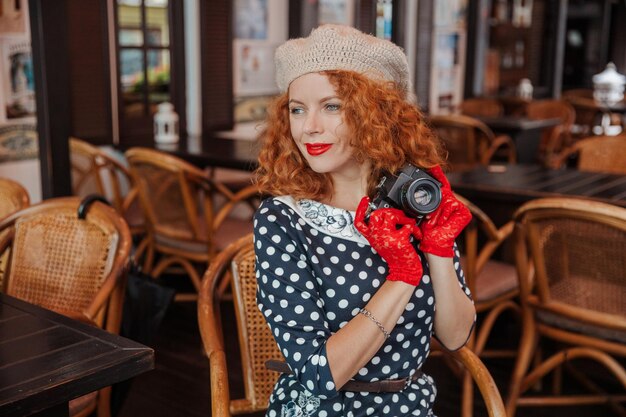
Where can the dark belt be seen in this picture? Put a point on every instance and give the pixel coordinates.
(386, 385)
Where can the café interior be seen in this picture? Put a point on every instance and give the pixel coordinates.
(128, 141)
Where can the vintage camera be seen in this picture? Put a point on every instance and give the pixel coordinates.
(412, 190)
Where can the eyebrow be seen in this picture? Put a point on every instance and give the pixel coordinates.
(321, 100)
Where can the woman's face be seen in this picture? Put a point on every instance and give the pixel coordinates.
(318, 128)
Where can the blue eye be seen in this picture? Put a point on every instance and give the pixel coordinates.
(296, 110)
(333, 107)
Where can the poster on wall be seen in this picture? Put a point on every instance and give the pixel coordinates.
(254, 68)
(335, 11)
(250, 19)
(13, 17)
(17, 77)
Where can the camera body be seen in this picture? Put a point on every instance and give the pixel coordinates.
(412, 190)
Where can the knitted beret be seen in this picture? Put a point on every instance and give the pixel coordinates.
(337, 47)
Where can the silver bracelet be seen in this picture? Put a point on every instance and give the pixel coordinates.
(370, 316)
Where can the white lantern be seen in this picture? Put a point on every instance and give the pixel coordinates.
(608, 86)
(165, 124)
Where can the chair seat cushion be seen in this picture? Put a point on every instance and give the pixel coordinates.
(495, 279)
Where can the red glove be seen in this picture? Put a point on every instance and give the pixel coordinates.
(388, 232)
(440, 228)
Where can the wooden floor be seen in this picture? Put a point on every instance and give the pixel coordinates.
(179, 386)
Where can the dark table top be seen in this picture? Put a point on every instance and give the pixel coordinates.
(520, 183)
(214, 151)
(516, 123)
(47, 359)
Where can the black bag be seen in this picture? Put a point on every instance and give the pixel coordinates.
(145, 305)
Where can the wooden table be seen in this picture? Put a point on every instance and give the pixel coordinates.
(501, 191)
(47, 359)
(526, 133)
(216, 152)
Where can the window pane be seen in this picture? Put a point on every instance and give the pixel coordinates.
(158, 76)
(132, 81)
(157, 24)
(129, 17)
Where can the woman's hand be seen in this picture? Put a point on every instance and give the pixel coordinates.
(388, 232)
(440, 228)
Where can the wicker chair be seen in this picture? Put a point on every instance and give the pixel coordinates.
(235, 265)
(570, 255)
(13, 197)
(73, 266)
(493, 285)
(188, 216)
(591, 117)
(481, 106)
(597, 154)
(96, 172)
(470, 142)
(514, 105)
(553, 139)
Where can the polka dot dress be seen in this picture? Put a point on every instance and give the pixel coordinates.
(315, 272)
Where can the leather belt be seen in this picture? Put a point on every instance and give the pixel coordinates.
(385, 385)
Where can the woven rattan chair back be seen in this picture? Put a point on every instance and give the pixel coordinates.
(70, 265)
(553, 139)
(13, 197)
(188, 215)
(237, 264)
(469, 142)
(174, 193)
(571, 263)
(597, 154)
(481, 106)
(93, 171)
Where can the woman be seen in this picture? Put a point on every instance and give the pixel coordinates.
(350, 293)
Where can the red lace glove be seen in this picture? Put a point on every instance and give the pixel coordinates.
(388, 232)
(440, 228)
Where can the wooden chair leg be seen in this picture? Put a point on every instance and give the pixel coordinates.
(528, 341)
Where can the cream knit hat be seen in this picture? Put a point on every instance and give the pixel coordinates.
(336, 47)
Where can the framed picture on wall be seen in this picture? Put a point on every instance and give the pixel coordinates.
(336, 11)
(254, 68)
(18, 84)
(250, 19)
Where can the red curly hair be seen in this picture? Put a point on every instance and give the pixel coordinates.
(388, 131)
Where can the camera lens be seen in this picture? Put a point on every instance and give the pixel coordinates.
(421, 196)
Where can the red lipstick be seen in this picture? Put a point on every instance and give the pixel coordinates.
(315, 149)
